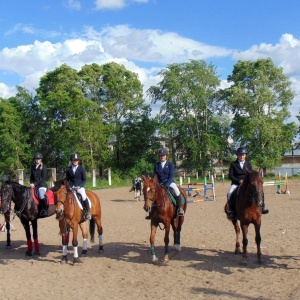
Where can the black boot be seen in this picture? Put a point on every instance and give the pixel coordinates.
(229, 211)
(87, 209)
(179, 203)
(44, 208)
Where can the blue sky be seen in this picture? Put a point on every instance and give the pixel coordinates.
(145, 36)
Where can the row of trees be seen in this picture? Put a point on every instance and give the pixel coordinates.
(101, 113)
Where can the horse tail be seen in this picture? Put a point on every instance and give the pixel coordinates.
(92, 230)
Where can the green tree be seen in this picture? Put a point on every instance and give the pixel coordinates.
(187, 93)
(119, 95)
(259, 98)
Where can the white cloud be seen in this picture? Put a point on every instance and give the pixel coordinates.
(73, 4)
(155, 46)
(286, 53)
(142, 51)
(109, 4)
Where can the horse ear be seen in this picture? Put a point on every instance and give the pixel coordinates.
(144, 178)
(155, 178)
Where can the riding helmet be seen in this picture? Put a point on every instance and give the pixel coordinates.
(162, 151)
(241, 150)
(38, 155)
(75, 156)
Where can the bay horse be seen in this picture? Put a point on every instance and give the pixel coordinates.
(248, 210)
(159, 204)
(26, 208)
(70, 215)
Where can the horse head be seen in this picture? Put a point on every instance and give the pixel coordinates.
(6, 195)
(254, 182)
(60, 189)
(149, 191)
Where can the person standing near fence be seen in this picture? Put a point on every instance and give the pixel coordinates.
(237, 173)
(38, 177)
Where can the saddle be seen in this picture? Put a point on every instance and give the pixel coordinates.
(172, 195)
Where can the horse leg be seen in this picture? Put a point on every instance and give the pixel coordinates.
(237, 237)
(166, 240)
(7, 226)
(64, 240)
(177, 230)
(75, 244)
(34, 224)
(258, 241)
(152, 239)
(245, 244)
(100, 232)
(85, 238)
(26, 226)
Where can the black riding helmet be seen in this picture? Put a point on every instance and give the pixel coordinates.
(75, 156)
(241, 150)
(162, 151)
(38, 155)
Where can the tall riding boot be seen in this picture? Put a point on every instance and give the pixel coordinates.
(87, 209)
(179, 203)
(44, 208)
(229, 211)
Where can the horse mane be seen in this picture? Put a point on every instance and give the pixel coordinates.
(57, 185)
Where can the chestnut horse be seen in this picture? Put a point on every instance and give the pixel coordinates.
(70, 215)
(159, 204)
(26, 208)
(248, 210)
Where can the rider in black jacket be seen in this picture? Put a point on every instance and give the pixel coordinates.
(38, 177)
(237, 173)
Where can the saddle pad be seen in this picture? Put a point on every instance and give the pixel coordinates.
(49, 194)
(174, 199)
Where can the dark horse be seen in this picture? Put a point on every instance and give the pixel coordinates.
(248, 209)
(162, 210)
(6, 224)
(70, 215)
(25, 208)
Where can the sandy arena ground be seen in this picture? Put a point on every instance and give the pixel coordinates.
(207, 267)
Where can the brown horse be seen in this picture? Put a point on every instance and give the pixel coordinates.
(248, 209)
(159, 204)
(70, 215)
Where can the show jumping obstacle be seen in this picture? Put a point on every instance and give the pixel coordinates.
(194, 190)
(278, 183)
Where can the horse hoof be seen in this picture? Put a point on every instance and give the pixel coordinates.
(84, 253)
(243, 262)
(64, 259)
(177, 247)
(100, 248)
(37, 253)
(237, 251)
(28, 253)
(76, 261)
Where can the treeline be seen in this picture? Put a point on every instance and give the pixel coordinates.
(101, 113)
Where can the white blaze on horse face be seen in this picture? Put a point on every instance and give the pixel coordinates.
(148, 189)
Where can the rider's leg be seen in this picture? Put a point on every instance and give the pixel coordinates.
(43, 202)
(178, 198)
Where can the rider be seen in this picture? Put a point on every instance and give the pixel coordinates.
(237, 173)
(38, 177)
(76, 176)
(165, 170)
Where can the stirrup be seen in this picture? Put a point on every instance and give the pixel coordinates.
(43, 213)
(230, 215)
(181, 212)
(88, 216)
